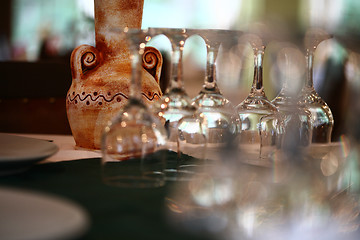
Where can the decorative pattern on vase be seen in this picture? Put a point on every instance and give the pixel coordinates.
(101, 74)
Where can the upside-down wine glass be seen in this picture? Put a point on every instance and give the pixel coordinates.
(132, 143)
(321, 117)
(175, 103)
(215, 112)
(260, 122)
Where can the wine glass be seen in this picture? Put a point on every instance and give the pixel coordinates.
(175, 103)
(260, 122)
(132, 143)
(296, 119)
(321, 117)
(216, 112)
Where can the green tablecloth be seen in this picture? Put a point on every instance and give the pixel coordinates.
(116, 213)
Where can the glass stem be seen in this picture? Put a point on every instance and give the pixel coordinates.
(176, 81)
(136, 73)
(257, 86)
(309, 69)
(210, 77)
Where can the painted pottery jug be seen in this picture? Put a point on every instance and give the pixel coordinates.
(101, 74)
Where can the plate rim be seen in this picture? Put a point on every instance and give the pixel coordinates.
(83, 220)
(51, 149)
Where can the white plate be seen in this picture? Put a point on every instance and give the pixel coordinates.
(31, 215)
(18, 153)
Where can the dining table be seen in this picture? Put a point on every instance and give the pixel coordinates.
(75, 202)
(112, 212)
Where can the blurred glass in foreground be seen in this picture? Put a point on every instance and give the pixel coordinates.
(298, 197)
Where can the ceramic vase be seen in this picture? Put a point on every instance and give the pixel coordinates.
(101, 74)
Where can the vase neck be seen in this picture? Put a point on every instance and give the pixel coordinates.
(112, 14)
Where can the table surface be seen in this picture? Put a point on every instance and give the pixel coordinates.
(115, 213)
(67, 149)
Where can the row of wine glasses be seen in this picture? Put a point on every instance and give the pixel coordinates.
(203, 126)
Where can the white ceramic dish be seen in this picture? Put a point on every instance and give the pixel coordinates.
(31, 215)
(18, 153)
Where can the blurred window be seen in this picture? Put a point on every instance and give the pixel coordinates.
(57, 25)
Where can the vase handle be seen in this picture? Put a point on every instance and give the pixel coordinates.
(152, 62)
(84, 58)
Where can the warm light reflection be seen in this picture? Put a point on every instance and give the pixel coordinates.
(173, 205)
